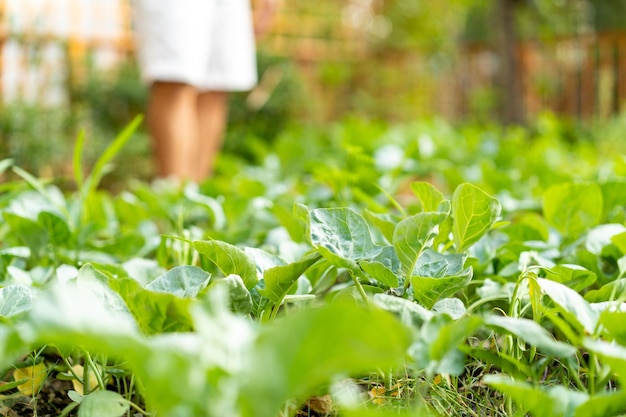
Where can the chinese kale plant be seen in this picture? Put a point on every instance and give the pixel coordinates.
(263, 294)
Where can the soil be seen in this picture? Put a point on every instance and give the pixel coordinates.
(50, 401)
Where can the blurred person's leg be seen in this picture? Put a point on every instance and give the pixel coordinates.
(212, 118)
(192, 54)
(173, 126)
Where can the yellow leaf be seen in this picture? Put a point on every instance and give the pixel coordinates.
(78, 385)
(35, 377)
(377, 395)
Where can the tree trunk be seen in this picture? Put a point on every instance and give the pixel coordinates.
(510, 75)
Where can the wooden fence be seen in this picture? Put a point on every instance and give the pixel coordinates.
(581, 77)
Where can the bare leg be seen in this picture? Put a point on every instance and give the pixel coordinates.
(173, 125)
(212, 118)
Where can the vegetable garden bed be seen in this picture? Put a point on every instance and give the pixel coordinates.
(360, 271)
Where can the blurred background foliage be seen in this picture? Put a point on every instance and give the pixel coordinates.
(391, 61)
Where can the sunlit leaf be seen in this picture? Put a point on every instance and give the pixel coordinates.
(384, 267)
(14, 299)
(573, 207)
(28, 231)
(473, 212)
(613, 325)
(531, 332)
(240, 298)
(295, 355)
(539, 401)
(413, 235)
(608, 292)
(103, 404)
(572, 305)
(182, 281)
(57, 228)
(438, 276)
(611, 353)
(341, 235)
(428, 195)
(409, 312)
(229, 259)
(575, 277)
(453, 307)
(155, 312)
(279, 279)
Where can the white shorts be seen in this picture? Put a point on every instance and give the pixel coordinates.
(205, 43)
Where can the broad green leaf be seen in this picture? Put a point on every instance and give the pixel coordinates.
(531, 332)
(263, 260)
(573, 306)
(69, 315)
(380, 273)
(351, 293)
(240, 298)
(12, 345)
(103, 404)
(608, 292)
(218, 217)
(443, 238)
(413, 235)
(182, 281)
(56, 227)
(384, 222)
(280, 279)
(611, 353)
(229, 259)
(384, 267)
(29, 232)
(453, 307)
(436, 348)
(155, 312)
(572, 208)
(619, 240)
(143, 270)
(197, 374)
(302, 213)
(94, 281)
(600, 236)
(539, 401)
(428, 195)
(574, 276)
(527, 227)
(438, 276)
(14, 299)
(613, 196)
(409, 312)
(342, 236)
(603, 405)
(613, 325)
(310, 347)
(473, 212)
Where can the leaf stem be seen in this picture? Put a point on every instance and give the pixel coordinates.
(359, 287)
